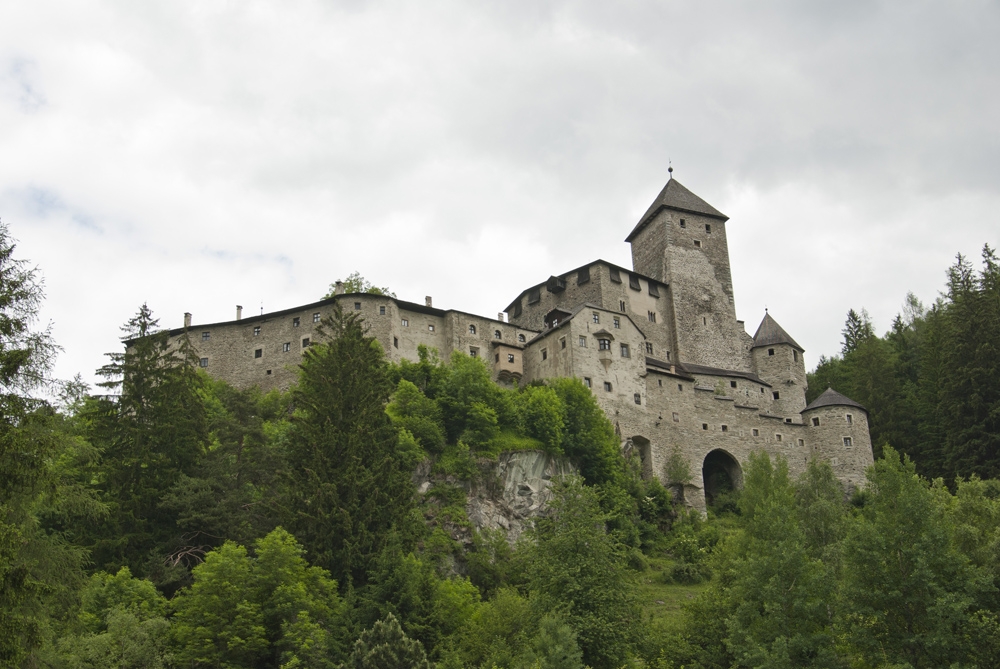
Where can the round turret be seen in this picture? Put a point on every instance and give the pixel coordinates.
(838, 433)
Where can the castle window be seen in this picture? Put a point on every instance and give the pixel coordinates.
(637, 398)
(615, 276)
(545, 354)
(583, 276)
(430, 327)
(802, 442)
(205, 336)
(473, 352)
(788, 420)
(295, 322)
(497, 357)
(732, 384)
(510, 357)
(649, 348)
(704, 320)
(633, 282)
(562, 342)
(405, 322)
(815, 422)
(472, 329)
(203, 362)
(776, 395)
(256, 332)
(604, 344)
(653, 290)
(697, 243)
(381, 311)
(497, 335)
(770, 351)
(621, 306)
(587, 382)
(305, 342)
(668, 355)
(286, 347)
(269, 372)
(756, 432)
(596, 317)
(683, 223)
(607, 386)
(395, 342)
(676, 417)
(850, 419)
(725, 428)
(534, 295)
(259, 353)
(520, 338)
(708, 229)
(680, 387)
(847, 440)
(357, 306)
(316, 317)
(795, 355)
(761, 391)
(625, 351)
(517, 308)
(583, 342)
(651, 315)
(704, 426)
(777, 437)
(659, 382)
(616, 322)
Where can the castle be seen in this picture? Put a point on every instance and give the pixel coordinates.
(659, 345)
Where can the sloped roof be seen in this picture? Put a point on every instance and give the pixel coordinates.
(769, 332)
(830, 398)
(675, 196)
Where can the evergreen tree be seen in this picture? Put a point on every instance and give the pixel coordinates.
(385, 646)
(345, 488)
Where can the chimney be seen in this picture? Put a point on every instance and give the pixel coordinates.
(428, 301)
(239, 312)
(338, 288)
(500, 317)
(187, 319)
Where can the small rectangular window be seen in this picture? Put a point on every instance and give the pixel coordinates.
(815, 422)
(637, 398)
(586, 381)
(708, 228)
(795, 355)
(295, 322)
(357, 306)
(269, 372)
(847, 442)
(607, 386)
(770, 351)
(381, 311)
(256, 332)
(732, 384)
(802, 442)
(616, 322)
(286, 347)
(725, 428)
(205, 336)
(704, 426)
(545, 354)
(305, 342)
(654, 290)
(776, 395)
(756, 432)
(405, 323)
(680, 387)
(510, 357)
(203, 362)
(697, 243)
(683, 223)
(633, 282)
(850, 419)
(651, 315)
(562, 342)
(659, 382)
(625, 351)
(473, 352)
(259, 353)
(583, 276)
(430, 327)
(395, 342)
(777, 437)
(534, 295)
(604, 344)
(596, 317)
(615, 276)
(496, 358)
(676, 417)
(517, 308)
(667, 356)
(649, 348)
(316, 317)
(583, 342)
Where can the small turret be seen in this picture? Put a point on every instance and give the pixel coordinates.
(779, 361)
(838, 433)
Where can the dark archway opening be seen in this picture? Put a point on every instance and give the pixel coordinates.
(722, 476)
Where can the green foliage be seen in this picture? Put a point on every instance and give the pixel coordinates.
(385, 646)
(355, 283)
(544, 414)
(589, 439)
(411, 410)
(345, 487)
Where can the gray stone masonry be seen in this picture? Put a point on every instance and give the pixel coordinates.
(659, 346)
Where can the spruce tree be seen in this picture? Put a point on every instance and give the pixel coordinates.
(345, 487)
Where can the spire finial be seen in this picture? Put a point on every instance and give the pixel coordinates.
(670, 170)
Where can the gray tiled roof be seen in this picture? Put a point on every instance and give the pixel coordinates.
(769, 332)
(831, 397)
(676, 196)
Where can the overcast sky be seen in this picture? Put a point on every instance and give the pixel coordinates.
(200, 155)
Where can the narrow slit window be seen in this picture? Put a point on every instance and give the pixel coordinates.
(649, 348)
(621, 306)
(683, 223)
(637, 398)
(708, 229)
(651, 315)
(562, 342)
(395, 342)
(545, 354)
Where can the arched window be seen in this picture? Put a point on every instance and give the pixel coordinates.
(472, 329)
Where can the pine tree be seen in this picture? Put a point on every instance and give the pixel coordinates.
(385, 646)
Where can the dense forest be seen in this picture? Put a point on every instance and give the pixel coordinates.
(169, 520)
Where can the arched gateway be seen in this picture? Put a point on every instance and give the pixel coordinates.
(721, 473)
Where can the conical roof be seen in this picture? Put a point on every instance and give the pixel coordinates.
(769, 333)
(676, 196)
(831, 397)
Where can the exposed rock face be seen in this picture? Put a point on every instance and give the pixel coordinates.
(524, 488)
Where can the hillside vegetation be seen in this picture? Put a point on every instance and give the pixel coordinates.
(170, 520)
